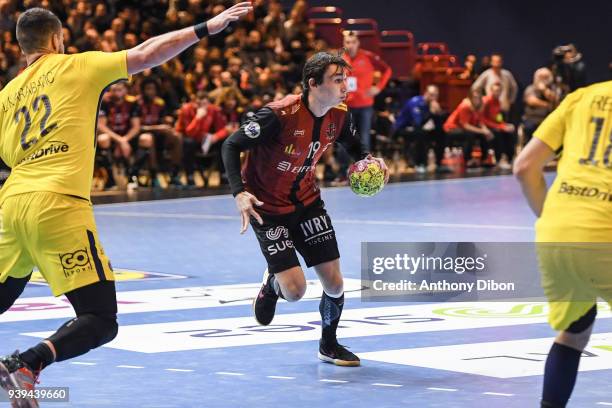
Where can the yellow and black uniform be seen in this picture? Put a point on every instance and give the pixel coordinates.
(48, 120)
(574, 232)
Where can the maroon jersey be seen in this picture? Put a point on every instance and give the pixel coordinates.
(285, 141)
(152, 112)
(119, 114)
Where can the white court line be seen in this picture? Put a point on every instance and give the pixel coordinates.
(129, 366)
(327, 189)
(333, 381)
(82, 363)
(387, 385)
(336, 221)
(179, 370)
(605, 403)
(442, 389)
(501, 394)
(280, 377)
(228, 373)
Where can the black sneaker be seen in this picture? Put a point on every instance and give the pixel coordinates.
(264, 305)
(337, 354)
(16, 375)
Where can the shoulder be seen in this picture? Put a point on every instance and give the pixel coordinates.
(342, 107)
(289, 105)
(159, 101)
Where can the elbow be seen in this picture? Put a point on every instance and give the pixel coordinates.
(137, 60)
(521, 169)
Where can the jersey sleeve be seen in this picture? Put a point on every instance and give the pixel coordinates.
(552, 130)
(103, 68)
(257, 129)
(351, 140)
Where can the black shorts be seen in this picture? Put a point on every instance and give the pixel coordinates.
(308, 230)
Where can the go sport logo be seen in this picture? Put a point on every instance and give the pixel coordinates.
(274, 234)
(75, 262)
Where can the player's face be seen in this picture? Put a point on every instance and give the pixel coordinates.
(333, 88)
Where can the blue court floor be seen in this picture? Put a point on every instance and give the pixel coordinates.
(188, 339)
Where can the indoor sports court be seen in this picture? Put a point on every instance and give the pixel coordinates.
(188, 337)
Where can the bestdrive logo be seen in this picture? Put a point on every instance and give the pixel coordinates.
(54, 147)
(585, 191)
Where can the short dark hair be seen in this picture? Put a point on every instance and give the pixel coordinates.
(316, 66)
(34, 28)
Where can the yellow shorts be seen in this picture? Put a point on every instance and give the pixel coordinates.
(56, 233)
(573, 277)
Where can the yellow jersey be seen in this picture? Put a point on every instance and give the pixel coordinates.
(578, 205)
(48, 118)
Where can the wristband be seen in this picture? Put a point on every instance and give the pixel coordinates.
(201, 30)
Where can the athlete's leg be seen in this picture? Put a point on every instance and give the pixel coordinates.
(563, 359)
(10, 290)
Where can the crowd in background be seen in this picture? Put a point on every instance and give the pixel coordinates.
(171, 120)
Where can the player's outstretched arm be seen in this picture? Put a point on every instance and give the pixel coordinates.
(157, 50)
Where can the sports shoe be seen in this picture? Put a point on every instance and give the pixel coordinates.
(16, 375)
(337, 354)
(264, 305)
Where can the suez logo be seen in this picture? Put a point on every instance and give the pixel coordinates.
(54, 147)
(296, 327)
(75, 262)
(315, 230)
(275, 234)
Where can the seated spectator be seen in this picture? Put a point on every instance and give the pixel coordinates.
(421, 122)
(155, 123)
(465, 127)
(496, 73)
(540, 98)
(504, 141)
(119, 135)
(201, 125)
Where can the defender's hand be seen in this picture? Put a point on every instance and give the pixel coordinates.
(244, 202)
(222, 20)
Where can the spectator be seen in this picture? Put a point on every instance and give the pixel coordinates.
(465, 127)
(119, 130)
(155, 124)
(469, 68)
(569, 67)
(540, 98)
(504, 141)
(421, 122)
(360, 84)
(201, 125)
(496, 73)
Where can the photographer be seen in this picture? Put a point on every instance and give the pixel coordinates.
(568, 67)
(540, 98)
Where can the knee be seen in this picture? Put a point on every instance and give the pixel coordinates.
(294, 291)
(334, 289)
(577, 341)
(104, 328)
(145, 140)
(104, 141)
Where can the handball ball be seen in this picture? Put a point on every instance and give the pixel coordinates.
(366, 177)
